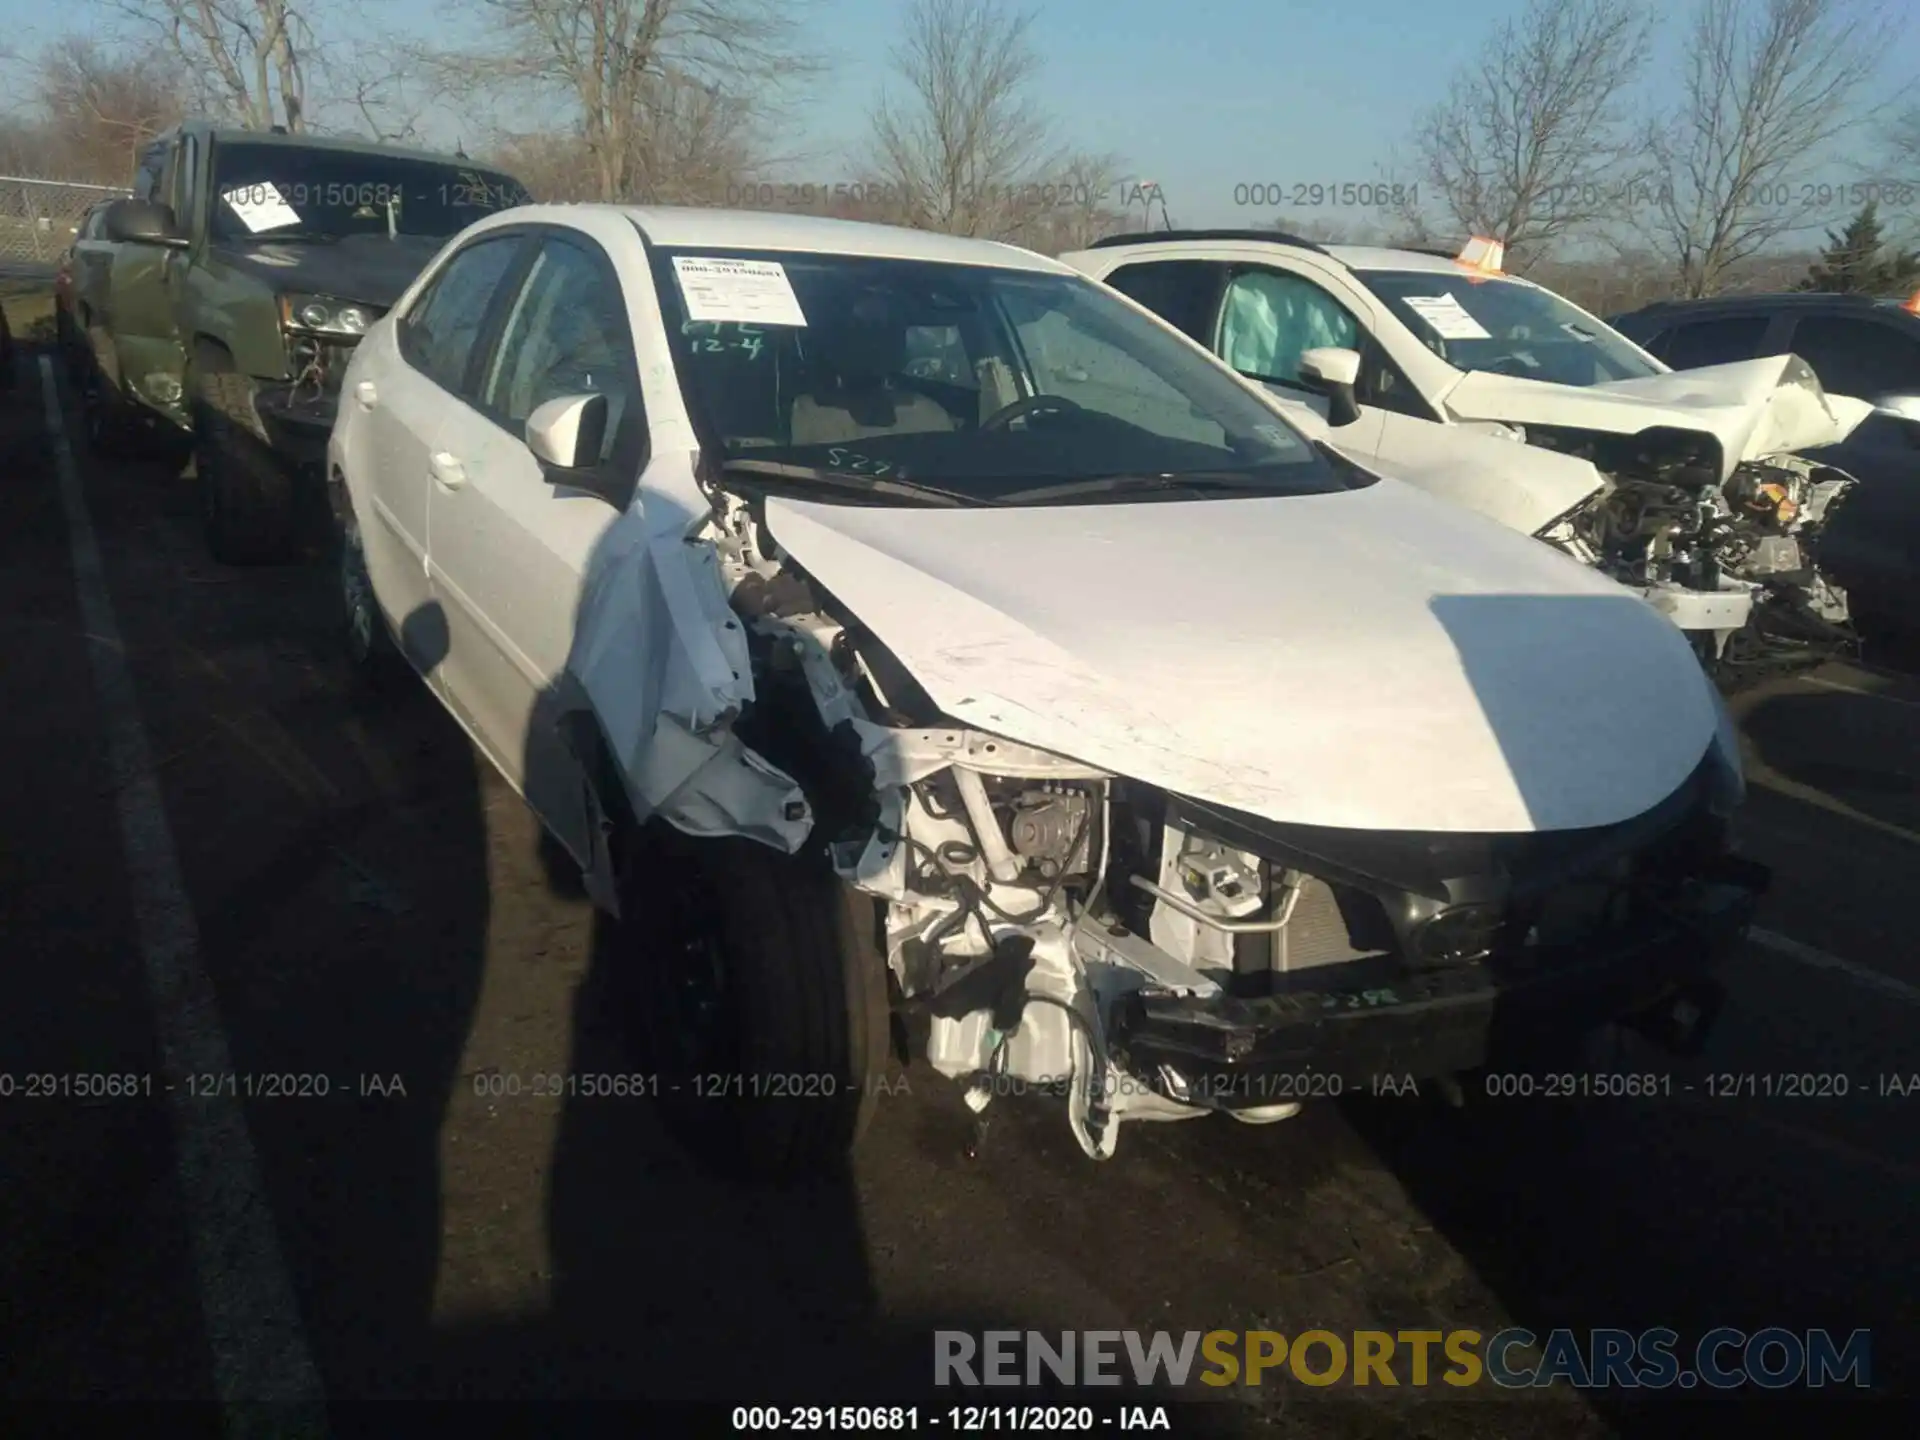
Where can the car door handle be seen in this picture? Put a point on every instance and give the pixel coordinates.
(365, 393)
(447, 471)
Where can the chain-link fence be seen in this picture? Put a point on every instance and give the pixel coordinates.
(38, 217)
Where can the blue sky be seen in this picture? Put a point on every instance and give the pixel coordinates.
(1201, 95)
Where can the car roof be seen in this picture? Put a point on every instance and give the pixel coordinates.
(307, 140)
(1354, 257)
(678, 227)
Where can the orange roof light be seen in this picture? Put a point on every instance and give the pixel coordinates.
(1482, 254)
(1912, 307)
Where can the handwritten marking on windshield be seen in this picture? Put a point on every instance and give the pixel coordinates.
(709, 337)
(858, 464)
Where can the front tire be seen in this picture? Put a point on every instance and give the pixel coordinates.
(247, 499)
(371, 654)
(761, 999)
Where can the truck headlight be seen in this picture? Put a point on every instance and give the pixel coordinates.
(324, 315)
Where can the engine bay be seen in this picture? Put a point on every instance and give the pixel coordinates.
(1734, 564)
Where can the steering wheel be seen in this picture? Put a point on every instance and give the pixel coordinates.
(1029, 405)
(1512, 365)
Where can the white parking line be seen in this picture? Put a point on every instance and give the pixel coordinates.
(1864, 976)
(260, 1354)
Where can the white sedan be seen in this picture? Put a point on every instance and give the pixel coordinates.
(901, 628)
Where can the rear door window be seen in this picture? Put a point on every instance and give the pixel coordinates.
(1184, 293)
(1713, 342)
(1859, 357)
(443, 328)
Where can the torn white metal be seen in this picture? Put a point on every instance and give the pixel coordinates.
(1048, 677)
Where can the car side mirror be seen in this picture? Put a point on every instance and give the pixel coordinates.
(142, 222)
(1333, 371)
(566, 435)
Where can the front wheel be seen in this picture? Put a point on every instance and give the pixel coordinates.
(760, 996)
(374, 658)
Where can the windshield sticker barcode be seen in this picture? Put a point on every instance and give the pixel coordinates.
(1448, 317)
(260, 206)
(745, 292)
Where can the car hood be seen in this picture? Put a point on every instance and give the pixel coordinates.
(1372, 659)
(369, 268)
(1751, 409)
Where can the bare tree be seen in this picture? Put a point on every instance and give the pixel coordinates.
(654, 86)
(251, 55)
(27, 147)
(1528, 143)
(102, 108)
(1767, 85)
(373, 87)
(1080, 204)
(1903, 146)
(369, 86)
(968, 149)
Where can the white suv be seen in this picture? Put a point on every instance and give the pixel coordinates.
(1683, 485)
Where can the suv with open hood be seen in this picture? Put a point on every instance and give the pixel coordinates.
(893, 625)
(1493, 392)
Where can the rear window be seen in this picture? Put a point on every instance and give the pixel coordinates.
(1713, 342)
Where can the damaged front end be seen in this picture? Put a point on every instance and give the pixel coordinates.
(1706, 502)
(1733, 562)
(1050, 926)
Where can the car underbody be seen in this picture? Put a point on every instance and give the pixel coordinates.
(1053, 927)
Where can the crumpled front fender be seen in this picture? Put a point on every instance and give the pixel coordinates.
(661, 660)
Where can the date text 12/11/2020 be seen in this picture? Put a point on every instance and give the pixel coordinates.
(956, 1419)
(719, 1085)
(91, 1088)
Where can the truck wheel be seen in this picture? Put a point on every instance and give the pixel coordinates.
(761, 1000)
(374, 657)
(246, 499)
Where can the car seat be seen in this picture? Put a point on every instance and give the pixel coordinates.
(858, 387)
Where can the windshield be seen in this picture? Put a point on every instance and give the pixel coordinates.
(286, 191)
(982, 382)
(1507, 328)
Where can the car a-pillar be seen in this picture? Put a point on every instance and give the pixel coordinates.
(246, 495)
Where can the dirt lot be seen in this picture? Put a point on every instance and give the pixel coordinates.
(365, 903)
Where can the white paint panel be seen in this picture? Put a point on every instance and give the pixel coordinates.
(1754, 408)
(1373, 659)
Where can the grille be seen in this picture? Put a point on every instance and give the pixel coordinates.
(1320, 932)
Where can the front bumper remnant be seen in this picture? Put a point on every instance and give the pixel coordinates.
(297, 422)
(1217, 1050)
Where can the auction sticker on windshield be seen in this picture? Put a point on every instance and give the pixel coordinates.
(1448, 317)
(746, 292)
(260, 206)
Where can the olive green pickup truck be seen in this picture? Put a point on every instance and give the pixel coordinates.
(224, 298)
